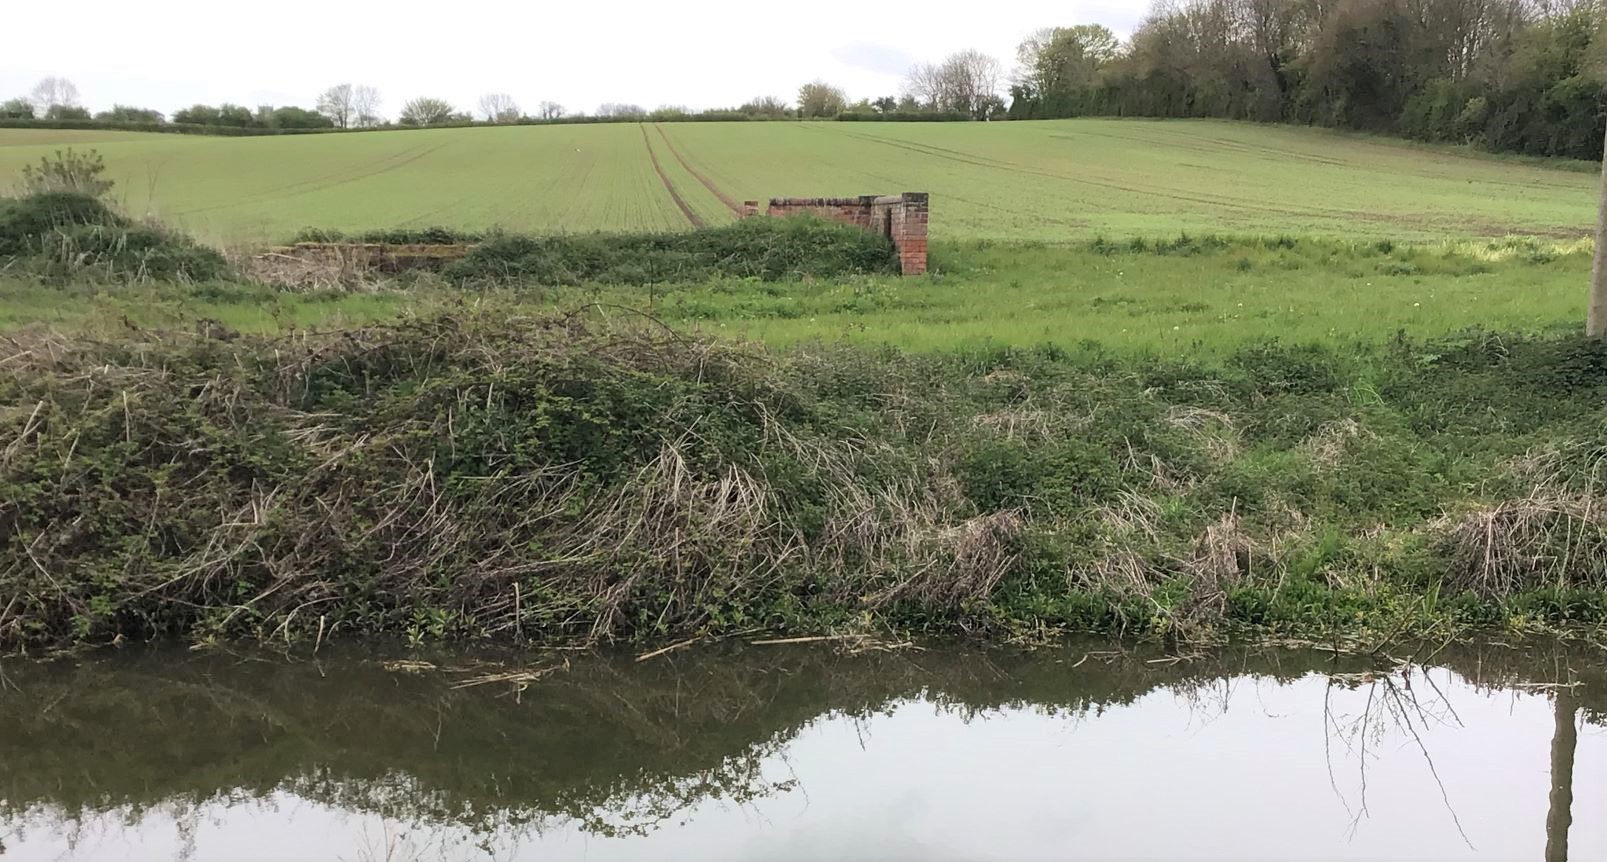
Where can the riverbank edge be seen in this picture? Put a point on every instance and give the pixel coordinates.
(553, 481)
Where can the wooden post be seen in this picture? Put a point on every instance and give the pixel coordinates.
(1596, 317)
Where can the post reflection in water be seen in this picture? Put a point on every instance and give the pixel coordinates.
(771, 752)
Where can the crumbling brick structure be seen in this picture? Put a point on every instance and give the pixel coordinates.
(900, 218)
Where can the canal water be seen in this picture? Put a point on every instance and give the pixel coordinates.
(1094, 751)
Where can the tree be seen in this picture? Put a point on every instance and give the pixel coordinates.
(16, 109)
(197, 115)
(820, 99)
(549, 110)
(291, 117)
(967, 82)
(923, 86)
(620, 110)
(66, 112)
(764, 106)
(336, 104)
(52, 92)
(130, 114)
(365, 106)
(1057, 66)
(499, 108)
(350, 107)
(885, 105)
(235, 115)
(425, 111)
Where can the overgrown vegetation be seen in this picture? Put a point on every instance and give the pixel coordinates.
(766, 249)
(762, 248)
(70, 171)
(71, 235)
(436, 235)
(547, 480)
(61, 227)
(1202, 296)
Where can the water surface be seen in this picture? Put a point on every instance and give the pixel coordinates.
(767, 752)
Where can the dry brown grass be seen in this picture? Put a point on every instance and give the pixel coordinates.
(1551, 538)
(1333, 441)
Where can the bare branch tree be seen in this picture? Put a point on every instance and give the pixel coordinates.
(54, 92)
(924, 84)
(967, 82)
(336, 104)
(499, 108)
(365, 106)
(549, 110)
(617, 109)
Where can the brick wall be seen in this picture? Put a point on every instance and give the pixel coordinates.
(900, 218)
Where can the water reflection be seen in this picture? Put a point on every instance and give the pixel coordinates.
(769, 752)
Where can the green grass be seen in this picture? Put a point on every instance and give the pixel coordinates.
(1040, 181)
(472, 476)
(1206, 298)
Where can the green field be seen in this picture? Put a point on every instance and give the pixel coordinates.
(1203, 301)
(1022, 181)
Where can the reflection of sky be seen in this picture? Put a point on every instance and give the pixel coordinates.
(1238, 771)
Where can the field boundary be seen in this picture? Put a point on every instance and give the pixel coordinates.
(686, 210)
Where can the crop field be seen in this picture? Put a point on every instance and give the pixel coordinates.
(1035, 181)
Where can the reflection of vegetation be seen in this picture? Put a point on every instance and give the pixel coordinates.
(616, 745)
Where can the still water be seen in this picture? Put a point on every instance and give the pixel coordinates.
(770, 752)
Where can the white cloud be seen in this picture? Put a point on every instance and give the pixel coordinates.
(701, 53)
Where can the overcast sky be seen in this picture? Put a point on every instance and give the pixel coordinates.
(167, 54)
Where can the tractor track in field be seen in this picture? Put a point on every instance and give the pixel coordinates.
(726, 199)
(692, 217)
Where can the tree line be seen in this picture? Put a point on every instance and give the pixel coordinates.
(342, 106)
(351, 107)
(1522, 76)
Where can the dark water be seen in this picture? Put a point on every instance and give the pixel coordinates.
(768, 752)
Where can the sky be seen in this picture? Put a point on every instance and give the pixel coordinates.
(168, 54)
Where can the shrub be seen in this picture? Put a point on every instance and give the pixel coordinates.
(59, 234)
(767, 249)
(67, 171)
(397, 236)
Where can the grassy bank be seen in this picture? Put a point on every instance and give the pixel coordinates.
(552, 480)
(1203, 296)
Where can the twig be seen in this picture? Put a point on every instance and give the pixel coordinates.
(815, 639)
(672, 647)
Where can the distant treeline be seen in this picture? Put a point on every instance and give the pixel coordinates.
(721, 116)
(1518, 76)
(1515, 76)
